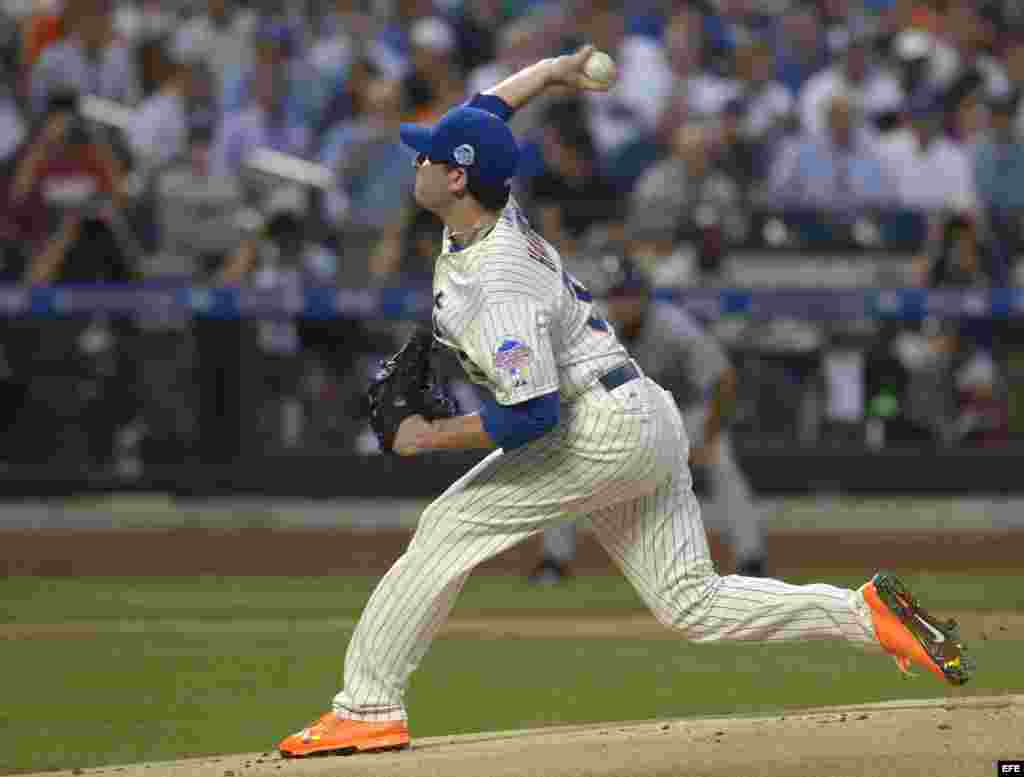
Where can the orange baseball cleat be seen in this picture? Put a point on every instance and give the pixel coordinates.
(911, 635)
(331, 735)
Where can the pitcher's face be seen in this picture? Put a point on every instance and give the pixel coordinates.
(437, 184)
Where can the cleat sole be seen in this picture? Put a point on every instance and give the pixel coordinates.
(351, 750)
(950, 654)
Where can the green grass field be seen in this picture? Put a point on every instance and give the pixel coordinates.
(164, 668)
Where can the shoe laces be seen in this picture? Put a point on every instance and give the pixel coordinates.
(320, 722)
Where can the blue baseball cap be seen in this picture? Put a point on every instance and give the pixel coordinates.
(471, 138)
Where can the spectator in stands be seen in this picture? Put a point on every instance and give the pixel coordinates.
(84, 249)
(477, 27)
(653, 242)
(841, 22)
(685, 88)
(691, 190)
(90, 61)
(873, 90)
(628, 112)
(514, 49)
(740, 153)
(154, 65)
(373, 170)
(158, 131)
(961, 51)
(680, 88)
(728, 24)
(220, 37)
(198, 212)
(998, 162)
(12, 127)
(1013, 56)
(266, 124)
(967, 104)
(43, 27)
(765, 107)
(344, 32)
(277, 45)
(435, 82)
(838, 172)
(11, 53)
(279, 252)
(68, 190)
(392, 48)
(801, 47)
(1013, 15)
(572, 195)
(65, 166)
(669, 187)
(921, 15)
(347, 95)
(911, 55)
(928, 171)
(145, 20)
(963, 258)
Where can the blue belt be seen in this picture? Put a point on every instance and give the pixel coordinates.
(614, 378)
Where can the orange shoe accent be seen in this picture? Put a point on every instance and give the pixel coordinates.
(912, 636)
(896, 638)
(331, 735)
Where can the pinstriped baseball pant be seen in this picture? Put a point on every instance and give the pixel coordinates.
(730, 494)
(618, 458)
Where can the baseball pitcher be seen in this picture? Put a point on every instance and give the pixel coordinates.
(577, 431)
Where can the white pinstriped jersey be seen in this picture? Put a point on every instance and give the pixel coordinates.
(520, 324)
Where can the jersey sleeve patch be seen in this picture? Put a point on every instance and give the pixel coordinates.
(513, 358)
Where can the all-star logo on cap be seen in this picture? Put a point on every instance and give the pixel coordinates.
(464, 154)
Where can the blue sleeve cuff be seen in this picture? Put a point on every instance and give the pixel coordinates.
(512, 426)
(492, 104)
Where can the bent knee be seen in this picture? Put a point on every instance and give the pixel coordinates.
(683, 600)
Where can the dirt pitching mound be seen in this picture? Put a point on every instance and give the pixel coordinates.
(940, 738)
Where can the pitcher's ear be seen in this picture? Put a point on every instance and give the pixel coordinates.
(458, 180)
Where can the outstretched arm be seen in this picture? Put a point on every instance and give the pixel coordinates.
(463, 432)
(566, 70)
(505, 426)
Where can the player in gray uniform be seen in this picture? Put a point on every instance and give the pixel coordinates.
(576, 431)
(677, 353)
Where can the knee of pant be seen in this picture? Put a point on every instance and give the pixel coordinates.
(428, 517)
(427, 529)
(428, 571)
(681, 599)
(447, 551)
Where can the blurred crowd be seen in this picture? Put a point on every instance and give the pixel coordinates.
(136, 139)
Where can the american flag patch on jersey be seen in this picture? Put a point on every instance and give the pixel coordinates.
(513, 356)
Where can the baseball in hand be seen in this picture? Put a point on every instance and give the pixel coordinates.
(599, 67)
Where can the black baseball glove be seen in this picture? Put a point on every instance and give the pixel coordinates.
(407, 384)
